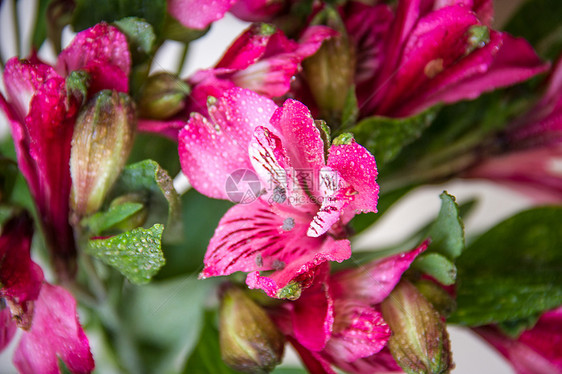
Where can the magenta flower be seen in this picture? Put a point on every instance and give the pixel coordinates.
(262, 59)
(198, 15)
(427, 52)
(536, 351)
(304, 190)
(47, 313)
(257, 10)
(533, 160)
(42, 113)
(337, 321)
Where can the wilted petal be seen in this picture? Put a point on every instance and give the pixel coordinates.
(374, 281)
(211, 150)
(196, 14)
(20, 277)
(55, 333)
(103, 52)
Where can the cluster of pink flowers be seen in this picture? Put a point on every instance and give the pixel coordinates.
(249, 123)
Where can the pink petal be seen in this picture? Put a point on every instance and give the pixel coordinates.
(538, 350)
(22, 78)
(313, 361)
(381, 362)
(260, 237)
(195, 14)
(358, 168)
(313, 316)
(247, 48)
(103, 52)
(205, 83)
(7, 328)
(502, 62)
(55, 333)
(299, 135)
(211, 150)
(373, 282)
(20, 277)
(359, 331)
(256, 10)
(312, 39)
(170, 129)
(333, 203)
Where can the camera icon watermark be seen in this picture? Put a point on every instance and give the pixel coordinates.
(243, 186)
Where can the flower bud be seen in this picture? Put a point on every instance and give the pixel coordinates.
(419, 341)
(163, 95)
(101, 143)
(250, 342)
(330, 71)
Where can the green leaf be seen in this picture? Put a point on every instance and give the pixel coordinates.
(438, 267)
(174, 30)
(62, 366)
(102, 221)
(201, 216)
(136, 253)
(385, 137)
(88, 13)
(447, 232)
(206, 358)
(282, 370)
(539, 34)
(516, 327)
(140, 36)
(513, 271)
(39, 33)
(350, 109)
(157, 148)
(153, 183)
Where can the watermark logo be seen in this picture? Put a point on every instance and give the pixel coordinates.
(243, 186)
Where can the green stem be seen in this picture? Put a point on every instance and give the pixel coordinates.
(183, 58)
(16, 27)
(2, 64)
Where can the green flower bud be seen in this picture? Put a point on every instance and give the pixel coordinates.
(163, 95)
(330, 71)
(250, 342)
(102, 140)
(419, 341)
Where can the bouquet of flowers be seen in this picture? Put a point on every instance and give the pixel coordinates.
(153, 222)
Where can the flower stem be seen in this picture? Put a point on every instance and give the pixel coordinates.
(16, 27)
(183, 58)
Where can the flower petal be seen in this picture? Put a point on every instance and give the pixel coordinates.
(20, 277)
(195, 14)
(103, 52)
(211, 150)
(55, 333)
(313, 315)
(358, 168)
(256, 10)
(7, 328)
(313, 361)
(247, 48)
(374, 281)
(359, 331)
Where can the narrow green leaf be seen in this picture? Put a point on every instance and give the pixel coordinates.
(140, 35)
(447, 232)
(136, 253)
(437, 266)
(206, 358)
(513, 271)
(102, 221)
(148, 179)
(40, 27)
(385, 137)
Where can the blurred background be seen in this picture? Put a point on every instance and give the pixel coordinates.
(495, 203)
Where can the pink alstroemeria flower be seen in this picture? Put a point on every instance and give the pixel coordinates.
(337, 322)
(258, 10)
(307, 190)
(533, 160)
(47, 313)
(198, 15)
(536, 351)
(261, 59)
(427, 52)
(42, 114)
